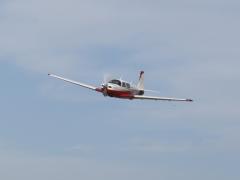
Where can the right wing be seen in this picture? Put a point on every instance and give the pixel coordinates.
(160, 98)
(75, 82)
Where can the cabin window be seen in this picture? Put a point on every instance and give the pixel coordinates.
(128, 85)
(115, 82)
(124, 84)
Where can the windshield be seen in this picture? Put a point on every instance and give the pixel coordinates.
(115, 82)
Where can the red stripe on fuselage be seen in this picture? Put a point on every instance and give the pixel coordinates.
(120, 94)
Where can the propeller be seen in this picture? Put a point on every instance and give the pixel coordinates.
(106, 79)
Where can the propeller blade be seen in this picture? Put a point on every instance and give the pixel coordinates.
(106, 78)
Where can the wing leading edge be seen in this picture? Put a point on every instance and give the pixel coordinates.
(74, 82)
(160, 98)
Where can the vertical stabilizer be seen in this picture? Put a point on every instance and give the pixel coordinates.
(140, 84)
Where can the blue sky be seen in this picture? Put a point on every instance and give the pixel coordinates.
(53, 130)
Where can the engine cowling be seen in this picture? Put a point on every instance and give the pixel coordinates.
(104, 91)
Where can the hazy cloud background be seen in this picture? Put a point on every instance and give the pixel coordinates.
(52, 130)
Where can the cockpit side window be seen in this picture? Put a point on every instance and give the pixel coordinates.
(127, 85)
(115, 82)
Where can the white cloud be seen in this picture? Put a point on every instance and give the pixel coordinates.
(59, 35)
(156, 146)
(13, 167)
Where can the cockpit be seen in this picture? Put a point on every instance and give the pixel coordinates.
(119, 83)
(114, 81)
(124, 84)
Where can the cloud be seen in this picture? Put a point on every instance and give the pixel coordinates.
(156, 146)
(69, 37)
(61, 35)
(55, 167)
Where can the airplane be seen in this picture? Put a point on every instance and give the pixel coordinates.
(118, 88)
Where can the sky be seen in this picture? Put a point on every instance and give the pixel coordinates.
(53, 130)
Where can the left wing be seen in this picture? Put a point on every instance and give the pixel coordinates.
(74, 82)
(160, 98)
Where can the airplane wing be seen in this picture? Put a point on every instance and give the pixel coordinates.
(74, 82)
(160, 98)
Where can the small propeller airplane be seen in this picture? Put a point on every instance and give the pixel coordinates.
(121, 89)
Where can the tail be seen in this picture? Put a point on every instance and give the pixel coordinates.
(140, 84)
